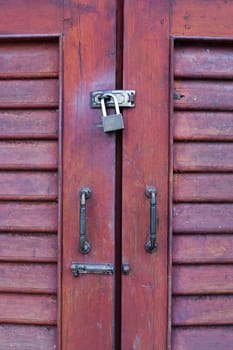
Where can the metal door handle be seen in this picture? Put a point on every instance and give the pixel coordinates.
(84, 245)
(151, 245)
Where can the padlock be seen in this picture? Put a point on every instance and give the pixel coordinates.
(111, 122)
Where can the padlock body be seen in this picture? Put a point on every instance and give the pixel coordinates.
(112, 122)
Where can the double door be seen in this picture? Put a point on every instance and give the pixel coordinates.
(177, 56)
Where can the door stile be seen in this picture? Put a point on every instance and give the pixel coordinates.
(145, 162)
(60, 197)
(89, 160)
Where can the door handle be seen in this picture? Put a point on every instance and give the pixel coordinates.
(151, 245)
(84, 245)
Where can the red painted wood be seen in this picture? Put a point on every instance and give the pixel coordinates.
(203, 338)
(28, 124)
(203, 310)
(28, 59)
(28, 278)
(203, 157)
(89, 159)
(145, 154)
(203, 248)
(44, 17)
(207, 95)
(33, 155)
(40, 217)
(202, 187)
(203, 218)
(27, 337)
(201, 279)
(209, 18)
(29, 93)
(203, 60)
(205, 126)
(28, 309)
(28, 247)
(28, 185)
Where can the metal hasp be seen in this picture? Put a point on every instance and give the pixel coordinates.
(125, 98)
(99, 269)
(151, 245)
(84, 245)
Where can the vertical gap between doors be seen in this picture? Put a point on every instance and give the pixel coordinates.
(118, 181)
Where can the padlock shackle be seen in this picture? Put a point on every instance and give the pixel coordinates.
(104, 97)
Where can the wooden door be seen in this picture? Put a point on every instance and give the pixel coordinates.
(52, 54)
(177, 55)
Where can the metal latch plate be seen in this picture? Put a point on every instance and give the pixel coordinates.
(125, 98)
(105, 269)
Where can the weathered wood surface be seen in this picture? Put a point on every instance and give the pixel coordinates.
(43, 17)
(203, 218)
(28, 278)
(202, 338)
(145, 162)
(202, 187)
(202, 310)
(28, 309)
(200, 279)
(28, 124)
(28, 185)
(89, 159)
(198, 18)
(26, 59)
(203, 95)
(28, 155)
(201, 248)
(28, 247)
(27, 337)
(204, 126)
(203, 60)
(33, 93)
(203, 157)
(41, 217)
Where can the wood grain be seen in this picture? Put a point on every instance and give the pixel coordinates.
(29, 217)
(20, 337)
(203, 157)
(28, 278)
(202, 95)
(203, 60)
(28, 309)
(203, 218)
(202, 310)
(203, 126)
(145, 162)
(203, 248)
(28, 59)
(29, 93)
(202, 338)
(44, 17)
(209, 18)
(202, 187)
(28, 124)
(28, 185)
(88, 159)
(28, 247)
(28, 155)
(201, 279)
